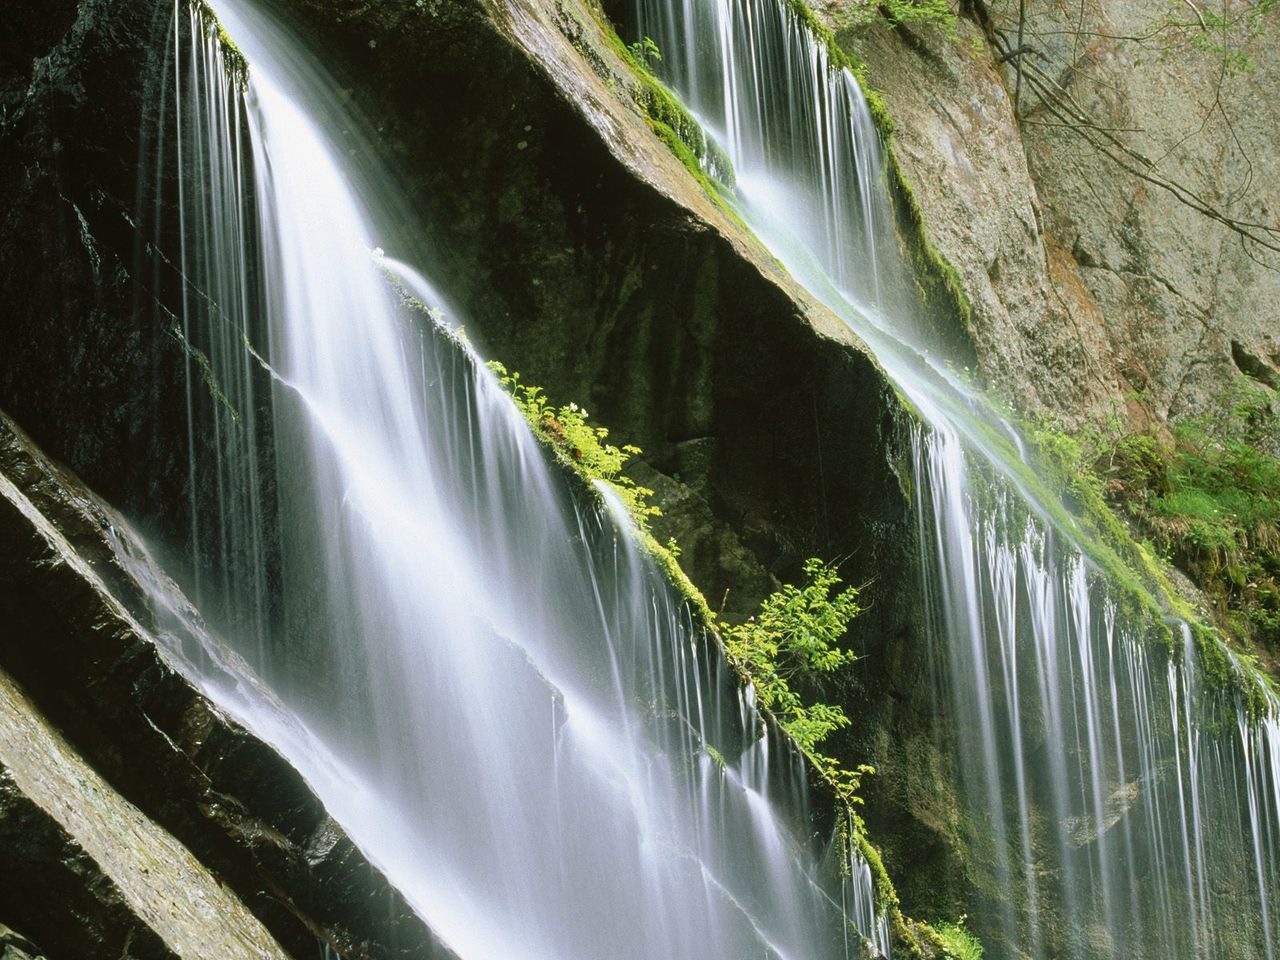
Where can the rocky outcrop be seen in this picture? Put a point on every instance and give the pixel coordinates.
(194, 788)
(89, 874)
(1097, 286)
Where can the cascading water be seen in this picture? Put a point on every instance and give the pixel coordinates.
(1118, 805)
(474, 664)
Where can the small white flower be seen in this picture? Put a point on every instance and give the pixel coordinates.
(573, 406)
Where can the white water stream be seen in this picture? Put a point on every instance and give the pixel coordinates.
(476, 667)
(1117, 806)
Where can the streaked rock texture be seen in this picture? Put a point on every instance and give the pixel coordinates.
(1095, 286)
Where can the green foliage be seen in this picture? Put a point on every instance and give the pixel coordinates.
(645, 52)
(958, 942)
(579, 444)
(1207, 499)
(793, 640)
(1210, 500)
(933, 13)
(926, 13)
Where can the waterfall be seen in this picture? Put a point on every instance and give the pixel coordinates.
(1117, 803)
(471, 659)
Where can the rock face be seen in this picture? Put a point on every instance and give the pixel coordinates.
(88, 873)
(79, 641)
(1096, 284)
(80, 106)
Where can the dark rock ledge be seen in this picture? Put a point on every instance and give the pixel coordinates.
(88, 677)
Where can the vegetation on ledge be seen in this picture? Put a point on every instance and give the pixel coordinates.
(1208, 498)
(662, 110)
(235, 61)
(1181, 496)
(793, 640)
(958, 941)
(579, 445)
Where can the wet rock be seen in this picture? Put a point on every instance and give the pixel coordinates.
(91, 360)
(14, 946)
(100, 678)
(89, 874)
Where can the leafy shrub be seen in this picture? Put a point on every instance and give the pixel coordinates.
(959, 943)
(577, 443)
(927, 13)
(793, 639)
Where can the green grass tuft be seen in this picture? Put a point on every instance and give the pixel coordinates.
(958, 942)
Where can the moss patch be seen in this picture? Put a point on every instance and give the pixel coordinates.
(1208, 499)
(932, 268)
(1070, 463)
(235, 61)
(665, 115)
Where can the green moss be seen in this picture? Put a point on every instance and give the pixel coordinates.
(1209, 498)
(929, 260)
(663, 112)
(1145, 591)
(840, 58)
(716, 756)
(235, 61)
(1069, 494)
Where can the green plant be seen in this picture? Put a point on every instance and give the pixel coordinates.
(579, 444)
(929, 13)
(934, 13)
(958, 942)
(793, 641)
(645, 52)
